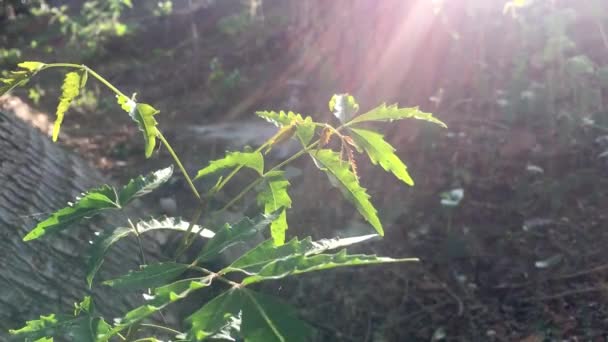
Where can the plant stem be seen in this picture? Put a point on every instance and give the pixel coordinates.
(141, 248)
(275, 168)
(179, 165)
(89, 70)
(215, 275)
(160, 327)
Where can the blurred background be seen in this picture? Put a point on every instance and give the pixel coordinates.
(509, 211)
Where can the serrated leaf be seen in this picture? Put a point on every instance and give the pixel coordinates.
(82, 326)
(149, 276)
(143, 114)
(393, 112)
(90, 204)
(104, 242)
(261, 317)
(305, 127)
(141, 185)
(252, 160)
(298, 264)
(216, 314)
(330, 162)
(381, 152)
(343, 106)
(19, 78)
(69, 90)
(231, 235)
(267, 319)
(31, 66)
(162, 296)
(273, 197)
(266, 252)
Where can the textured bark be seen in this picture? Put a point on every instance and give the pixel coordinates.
(48, 275)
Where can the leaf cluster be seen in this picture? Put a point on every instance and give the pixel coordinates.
(238, 312)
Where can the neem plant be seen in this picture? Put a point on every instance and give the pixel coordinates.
(238, 312)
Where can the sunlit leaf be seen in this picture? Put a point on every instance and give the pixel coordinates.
(342, 177)
(344, 107)
(298, 264)
(82, 326)
(266, 252)
(69, 90)
(149, 276)
(273, 197)
(87, 206)
(252, 160)
(231, 235)
(143, 114)
(261, 317)
(104, 242)
(393, 112)
(162, 296)
(305, 127)
(19, 77)
(381, 152)
(141, 185)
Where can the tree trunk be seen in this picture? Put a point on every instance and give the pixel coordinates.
(47, 275)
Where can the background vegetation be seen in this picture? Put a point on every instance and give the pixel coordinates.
(508, 211)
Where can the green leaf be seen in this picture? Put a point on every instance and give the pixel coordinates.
(273, 197)
(297, 264)
(216, 314)
(393, 112)
(149, 276)
(19, 78)
(252, 160)
(86, 206)
(82, 326)
(141, 185)
(103, 243)
(162, 296)
(69, 90)
(263, 318)
(229, 236)
(344, 107)
(143, 114)
(266, 252)
(267, 319)
(305, 127)
(381, 152)
(342, 177)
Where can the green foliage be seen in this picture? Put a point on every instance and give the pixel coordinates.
(231, 235)
(252, 160)
(381, 152)
(84, 325)
(258, 318)
(305, 127)
(19, 78)
(273, 197)
(97, 200)
(267, 252)
(149, 276)
(70, 89)
(344, 107)
(143, 114)
(238, 312)
(343, 178)
(393, 112)
(298, 264)
(103, 243)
